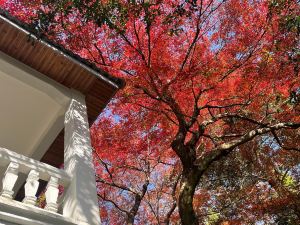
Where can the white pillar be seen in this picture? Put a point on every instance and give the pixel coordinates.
(81, 201)
(31, 187)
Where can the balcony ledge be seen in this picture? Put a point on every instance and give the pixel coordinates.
(14, 212)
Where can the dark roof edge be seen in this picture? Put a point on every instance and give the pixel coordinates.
(91, 67)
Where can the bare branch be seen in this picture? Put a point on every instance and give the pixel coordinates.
(204, 161)
(112, 202)
(282, 145)
(99, 179)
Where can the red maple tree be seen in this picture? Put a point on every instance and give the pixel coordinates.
(206, 81)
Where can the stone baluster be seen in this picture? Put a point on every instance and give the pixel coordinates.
(9, 180)
(31, 187)
(52, 195)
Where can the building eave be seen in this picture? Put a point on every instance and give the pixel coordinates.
(91, 67)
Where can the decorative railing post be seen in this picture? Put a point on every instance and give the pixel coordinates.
(9, 180)
(31, 187)
(81, 200)
(52, 195)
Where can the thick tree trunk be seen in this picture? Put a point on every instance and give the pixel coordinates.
(137, 202)
(189, 182)
(130, 219)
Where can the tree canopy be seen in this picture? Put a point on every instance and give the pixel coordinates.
(206, 130)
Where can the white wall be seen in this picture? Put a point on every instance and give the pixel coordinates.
(32, 108)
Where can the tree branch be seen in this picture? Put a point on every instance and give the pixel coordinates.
(205, 160)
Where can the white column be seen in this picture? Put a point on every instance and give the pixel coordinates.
(81, 201)
(52, 195)
(31, 187)
(9, 180)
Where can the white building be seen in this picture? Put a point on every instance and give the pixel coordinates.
(48, 98)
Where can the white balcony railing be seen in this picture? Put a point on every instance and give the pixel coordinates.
(35, 171)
